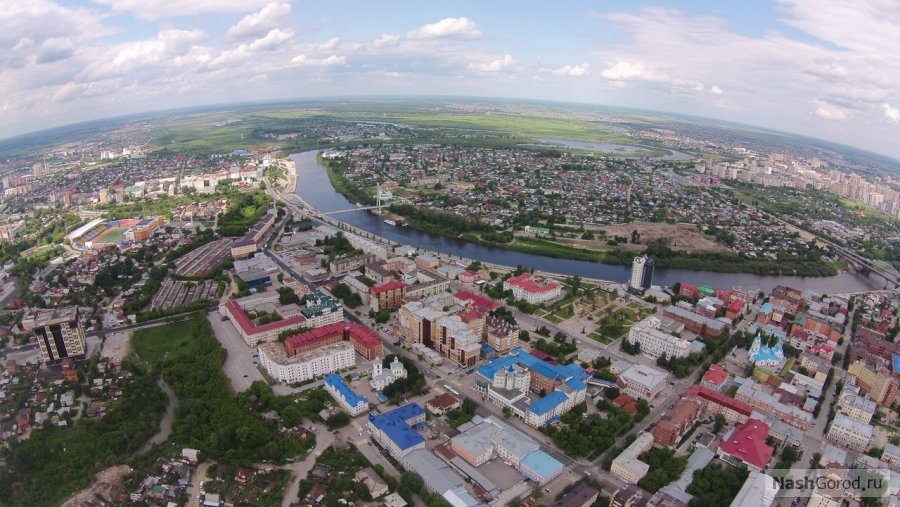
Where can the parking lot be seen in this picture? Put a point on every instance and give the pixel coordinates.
(240, 365)
(115, 345)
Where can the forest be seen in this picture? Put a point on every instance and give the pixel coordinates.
(54, 462)
(244, 210)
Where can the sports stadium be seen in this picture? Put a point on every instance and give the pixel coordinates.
(100, 233)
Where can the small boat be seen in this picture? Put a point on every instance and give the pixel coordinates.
(390, 222)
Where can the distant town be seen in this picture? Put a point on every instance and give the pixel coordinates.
(182, 325)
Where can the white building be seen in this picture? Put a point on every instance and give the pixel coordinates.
(857, 407)
(315, 363)
(655, 342)
(850, 433)
(642, 382)
(532, 289)
(382, 378)
(641, 274)
(759, 490)
(352, 402)
(627, 466)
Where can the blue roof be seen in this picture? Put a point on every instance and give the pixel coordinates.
(547, 403)
(896, 363)
(394, 424)
(542, 368)
(487, 349)
(576, 384)
(765, 308)
(349, 396)
(541, 463)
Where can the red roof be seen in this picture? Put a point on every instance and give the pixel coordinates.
(356, 332)
(389, 286)
(719, 399)
(527, 284)
(748, 442)
(716, 375)
(470, 315)
(480, 302)
(250, 328)
(543, 356)
(467, 275)
(688, 287)
(736, 306)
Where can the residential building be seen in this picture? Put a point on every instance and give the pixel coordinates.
(734, 411)
(759, 490)
(676, 421)
(655, 342)
(630, 496)
(449, 335)
(891, 456)
(876, 380)
(716, 378)
(365, 341)
(346, 264)
(501, 335)
(641, 274)
(627, 466)
(344, 395)
(252, 333)
(382, 378)
(746, 444)
(696, 323)
(583, 495)
(534, 290)
(442, 403)
(297, 368)
(372, 481)
(643, 382)
(396, 432)
(59, 333)
(387, 296)
(850, 433)
(426, 290)
(857, 407)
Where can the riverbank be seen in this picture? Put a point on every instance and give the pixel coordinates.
(439, 222)
(317, 191)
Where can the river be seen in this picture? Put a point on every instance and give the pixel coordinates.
(315, 188)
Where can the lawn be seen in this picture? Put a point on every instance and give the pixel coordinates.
(153, 343)
(112, 235)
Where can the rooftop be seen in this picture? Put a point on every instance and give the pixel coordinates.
(394, 425)
(337, 382)
(541, 463)
(528, 283)
(748, 443)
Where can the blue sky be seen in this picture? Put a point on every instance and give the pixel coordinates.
(828, 68)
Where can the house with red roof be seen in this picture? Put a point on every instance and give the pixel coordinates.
(716, 379)
(387, 296)
(734, 309)
(714, 402)
(532, 289)
(746, 444)
(472, 300)
(688, 290)
(468, 278)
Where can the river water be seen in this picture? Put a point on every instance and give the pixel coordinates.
(315, 188)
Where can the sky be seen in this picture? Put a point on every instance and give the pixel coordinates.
(825, 68)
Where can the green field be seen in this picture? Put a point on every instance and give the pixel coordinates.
(112, 236)
(152, 344)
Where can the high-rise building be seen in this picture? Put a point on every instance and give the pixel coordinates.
(59, 334)
(641, 274)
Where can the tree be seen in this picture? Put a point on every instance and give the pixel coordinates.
(524, 336)
(287, 296)
(719, 423)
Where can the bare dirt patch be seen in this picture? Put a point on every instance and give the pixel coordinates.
(105, 485)
(680, 237)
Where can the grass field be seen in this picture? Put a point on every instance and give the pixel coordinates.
(111, 236)
(153, 343)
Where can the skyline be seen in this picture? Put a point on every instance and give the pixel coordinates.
(825, 71)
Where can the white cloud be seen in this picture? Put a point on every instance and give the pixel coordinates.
(569, 70)
(272, 40)
(828, 111)
(891, 113)
(259, 23)
(715, 90)
(493, 65)
(447, 28)
(308, 61)
(623, 70)
(386, 40)
(156, 9)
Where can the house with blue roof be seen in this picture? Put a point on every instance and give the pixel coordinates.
(344, 395)
(511, 380)
(540, 467)
(396, 430)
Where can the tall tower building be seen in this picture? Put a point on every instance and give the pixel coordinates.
(641, 274)
(59, 334)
